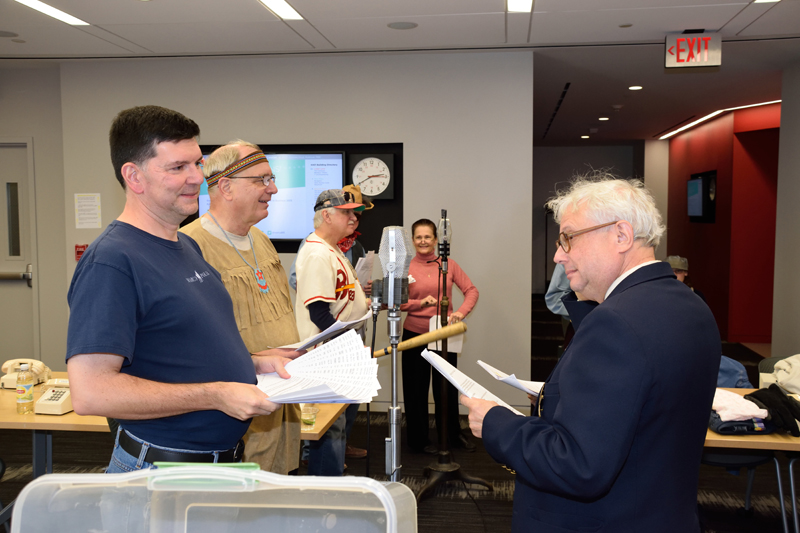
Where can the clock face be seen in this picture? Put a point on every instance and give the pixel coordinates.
(372, 175)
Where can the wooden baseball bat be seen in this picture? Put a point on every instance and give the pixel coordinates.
(425, 338)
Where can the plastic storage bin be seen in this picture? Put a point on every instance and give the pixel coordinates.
(200, 499)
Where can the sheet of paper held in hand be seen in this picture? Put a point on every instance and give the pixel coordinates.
(454, 343)
(464, 384)
(340, 371)
(333, 331)
(364, 268)
(529, 387)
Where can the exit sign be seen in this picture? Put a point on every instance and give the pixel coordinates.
(693, 50)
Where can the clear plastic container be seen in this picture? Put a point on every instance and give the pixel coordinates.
(200, 499)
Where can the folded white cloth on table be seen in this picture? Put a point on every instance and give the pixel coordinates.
(731, 406)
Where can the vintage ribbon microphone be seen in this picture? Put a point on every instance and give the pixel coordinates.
(395, 254)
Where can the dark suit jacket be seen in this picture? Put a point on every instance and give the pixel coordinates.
(624, 416)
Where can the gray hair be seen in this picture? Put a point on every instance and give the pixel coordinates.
(606, 198)
(318, 215)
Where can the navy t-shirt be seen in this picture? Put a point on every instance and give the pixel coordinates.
(162, 307)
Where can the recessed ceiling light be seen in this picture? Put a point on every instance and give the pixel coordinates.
(520, 6)
(282, 9)
(41, 7)
(635, 88)
(403, 25)
(584, 136)
(8, 34)
(20, 41)
(603, 118)
(625, 25)
(766, 1)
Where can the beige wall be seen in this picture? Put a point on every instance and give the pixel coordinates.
(786, 293)
(465, 121)
(656, 177)
(30, 107)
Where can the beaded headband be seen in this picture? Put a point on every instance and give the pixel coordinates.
(233, 168)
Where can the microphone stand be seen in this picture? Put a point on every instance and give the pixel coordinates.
(393, 466)
(395, 255)
(444, 468)
(375, 309)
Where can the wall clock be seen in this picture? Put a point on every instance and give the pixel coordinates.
(373, 173)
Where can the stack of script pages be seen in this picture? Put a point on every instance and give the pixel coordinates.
(340, 371)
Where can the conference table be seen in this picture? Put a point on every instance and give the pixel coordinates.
(772, 442)
(42, 426)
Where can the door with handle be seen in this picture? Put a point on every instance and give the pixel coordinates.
(19, 335)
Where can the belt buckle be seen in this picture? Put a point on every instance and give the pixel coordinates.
(238, 451)
(540, 401)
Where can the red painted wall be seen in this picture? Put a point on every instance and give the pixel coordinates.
(732, 260)
(706, 246)
(757, 118)
(755, 187)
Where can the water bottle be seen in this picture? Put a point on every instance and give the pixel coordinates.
(24, 390)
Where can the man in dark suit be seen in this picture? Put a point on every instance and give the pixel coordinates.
(617, 433)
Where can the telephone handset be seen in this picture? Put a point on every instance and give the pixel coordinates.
(39, 370)
(55, 399)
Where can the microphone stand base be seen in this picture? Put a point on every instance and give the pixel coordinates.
(446, 470)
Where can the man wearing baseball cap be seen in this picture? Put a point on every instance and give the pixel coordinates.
(349, 245)
(328, 290)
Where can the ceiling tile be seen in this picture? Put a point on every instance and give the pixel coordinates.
(102, 12)
(556, 6)
(648, 24)
(221, 37)
(72, 42)
(782, 19)
(432, 32)
(316, 10)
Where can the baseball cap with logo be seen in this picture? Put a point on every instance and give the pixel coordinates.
(339, 199)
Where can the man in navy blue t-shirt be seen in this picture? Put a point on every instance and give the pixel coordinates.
(152, 338)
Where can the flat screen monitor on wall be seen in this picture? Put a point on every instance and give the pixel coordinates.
(300, 178)
(701, 192)
(694, 196)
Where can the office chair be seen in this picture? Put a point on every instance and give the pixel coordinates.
(3, 471)
(738, 459)
(792, 458)
(766, 369)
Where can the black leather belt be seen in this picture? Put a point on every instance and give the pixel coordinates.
(134, 448)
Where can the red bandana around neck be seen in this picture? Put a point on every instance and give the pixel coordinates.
(347, 243)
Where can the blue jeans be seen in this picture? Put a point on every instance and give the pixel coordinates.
(326, 455)
(122, 461)
(350, 415)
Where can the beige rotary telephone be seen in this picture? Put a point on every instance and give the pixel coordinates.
(40, 372)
